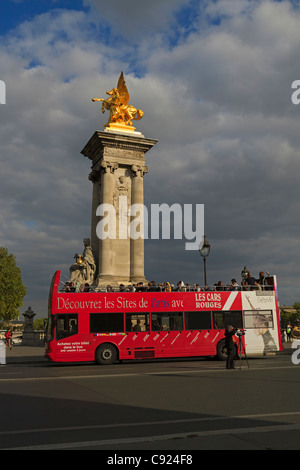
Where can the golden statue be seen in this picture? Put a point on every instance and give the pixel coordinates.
(120, 112)
(79, 260)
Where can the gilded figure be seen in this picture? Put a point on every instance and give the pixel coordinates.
(120, 111)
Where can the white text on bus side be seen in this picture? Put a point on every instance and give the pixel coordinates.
(207, 296)
(76, 304)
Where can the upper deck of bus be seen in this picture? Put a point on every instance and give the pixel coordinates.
(155, 300)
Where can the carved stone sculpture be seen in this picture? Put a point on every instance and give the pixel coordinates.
(83, 271)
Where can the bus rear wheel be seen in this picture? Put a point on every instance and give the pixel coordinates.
(222, 351)
(106, 354)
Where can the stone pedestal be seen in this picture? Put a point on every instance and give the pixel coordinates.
(28, 333)
(118, 169)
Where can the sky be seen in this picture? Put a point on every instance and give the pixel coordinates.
(214, 80)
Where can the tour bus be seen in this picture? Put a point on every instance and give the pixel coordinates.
(107, 327)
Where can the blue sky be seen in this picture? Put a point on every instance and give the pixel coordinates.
(214, 81)
(14, 12)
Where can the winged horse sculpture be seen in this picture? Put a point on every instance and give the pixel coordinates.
(120, 111)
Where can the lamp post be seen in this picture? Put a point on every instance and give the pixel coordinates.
(204, 252)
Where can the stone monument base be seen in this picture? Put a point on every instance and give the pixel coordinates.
(120, 127)
(103, 281)
(28, 338)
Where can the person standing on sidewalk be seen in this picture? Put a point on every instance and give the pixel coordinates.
(230, 346)
(288, 332)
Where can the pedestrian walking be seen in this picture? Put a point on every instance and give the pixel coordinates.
(8, 338)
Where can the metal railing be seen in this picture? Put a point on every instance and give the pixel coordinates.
(162, 287)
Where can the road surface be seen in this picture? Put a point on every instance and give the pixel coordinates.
(155, 406)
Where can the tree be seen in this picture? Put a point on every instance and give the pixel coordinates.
(12, 290)
(297, 307)
(290, 316)
(39, 323)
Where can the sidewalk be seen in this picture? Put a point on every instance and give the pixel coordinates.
(35, 354)
(287, 348)
(25, 354)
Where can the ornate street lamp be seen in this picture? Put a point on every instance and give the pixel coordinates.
(204, 252)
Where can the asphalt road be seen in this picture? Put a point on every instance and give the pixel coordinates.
(156, 406)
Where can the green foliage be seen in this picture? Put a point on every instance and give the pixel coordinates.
(297, 307)
(39, 323)
(290, 317)
(12, 290)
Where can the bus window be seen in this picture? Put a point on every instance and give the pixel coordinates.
(197, 320)
(137, 322)
(49, 333)
(106, 322)
(66, 325)
(167, 321)
(224, 318)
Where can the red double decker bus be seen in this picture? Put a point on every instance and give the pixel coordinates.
(107, 327)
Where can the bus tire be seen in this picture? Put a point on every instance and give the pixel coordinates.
(106, 354)
(222, 351)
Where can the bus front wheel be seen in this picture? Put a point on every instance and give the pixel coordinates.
(106, 354)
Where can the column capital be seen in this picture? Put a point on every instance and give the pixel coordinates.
(101, 167)
(94, 176)
(108, 167)
(138, 170)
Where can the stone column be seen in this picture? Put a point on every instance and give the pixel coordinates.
(106, 259)
(118, 168)
(95, 178)
(137, 236)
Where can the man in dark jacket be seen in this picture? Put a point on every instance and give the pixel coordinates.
(230, 345)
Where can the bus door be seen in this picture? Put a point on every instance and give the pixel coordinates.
(70, 346)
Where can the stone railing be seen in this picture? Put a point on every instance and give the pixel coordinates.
(37, 338)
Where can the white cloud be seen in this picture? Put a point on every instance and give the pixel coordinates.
(218, 100)
(228, 8)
